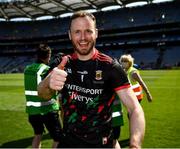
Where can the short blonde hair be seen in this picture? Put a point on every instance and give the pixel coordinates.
(127, 58)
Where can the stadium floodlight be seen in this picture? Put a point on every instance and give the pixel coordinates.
(44, 18)
(91, 10)
(5, 1)
(134, 4)
(66, 15)
(2, 19)
(161, 1)
(110, 8)
(20, 19)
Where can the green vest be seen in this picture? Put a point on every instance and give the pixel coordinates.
(135, 84)
(129, 74)
(33, 75)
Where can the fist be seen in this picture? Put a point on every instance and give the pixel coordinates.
(57, 79)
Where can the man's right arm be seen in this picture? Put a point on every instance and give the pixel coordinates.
(53, 82)
(44, 91)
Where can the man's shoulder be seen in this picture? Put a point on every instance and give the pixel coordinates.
(29, 66)
(103, 57)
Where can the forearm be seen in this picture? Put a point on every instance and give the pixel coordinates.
(145, 88)
(137, 127)
(44, 90)
(136, 117)
(138, 78)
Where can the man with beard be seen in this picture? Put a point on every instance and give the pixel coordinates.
(88, 80)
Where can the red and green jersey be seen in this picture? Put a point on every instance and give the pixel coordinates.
(88, 95)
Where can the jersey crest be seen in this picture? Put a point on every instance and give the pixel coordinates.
(98, 75)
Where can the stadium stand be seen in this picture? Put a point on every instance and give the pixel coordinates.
(141, 31)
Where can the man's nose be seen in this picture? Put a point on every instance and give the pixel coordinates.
(83, 35)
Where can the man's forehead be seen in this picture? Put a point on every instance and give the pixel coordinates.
(87, 20)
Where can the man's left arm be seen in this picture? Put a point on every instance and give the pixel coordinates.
(136, 116)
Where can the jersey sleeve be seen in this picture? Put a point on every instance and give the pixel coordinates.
(119, 78)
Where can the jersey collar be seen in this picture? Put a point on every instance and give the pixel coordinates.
(96, 52)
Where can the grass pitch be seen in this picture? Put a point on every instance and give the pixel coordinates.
(162, 115)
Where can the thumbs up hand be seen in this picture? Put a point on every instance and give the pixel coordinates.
(63, 62)
(58, 75)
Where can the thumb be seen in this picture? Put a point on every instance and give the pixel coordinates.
(63, 62)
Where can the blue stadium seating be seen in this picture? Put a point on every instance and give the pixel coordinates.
(137, 30)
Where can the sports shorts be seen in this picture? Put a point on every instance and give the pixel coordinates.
(70, 140)
(50, 121)
(116, 132)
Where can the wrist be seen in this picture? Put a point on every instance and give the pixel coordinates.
(132, 146)
(148, 92)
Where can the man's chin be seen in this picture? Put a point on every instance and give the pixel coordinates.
(83, 51)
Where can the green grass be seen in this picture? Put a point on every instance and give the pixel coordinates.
(162, 115)
(15, 131)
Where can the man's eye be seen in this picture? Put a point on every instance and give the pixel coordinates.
(89, 31)
(77, 32)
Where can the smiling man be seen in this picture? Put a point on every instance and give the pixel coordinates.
(88, 124)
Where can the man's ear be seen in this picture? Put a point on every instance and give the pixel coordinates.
(96, 33)
(69, 33)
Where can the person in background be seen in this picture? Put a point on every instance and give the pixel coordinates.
(88, 81)
(41, 113)
(136, 81)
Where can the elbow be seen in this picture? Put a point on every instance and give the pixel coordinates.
(137, 111)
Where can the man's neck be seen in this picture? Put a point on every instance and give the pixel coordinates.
(86, 57)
